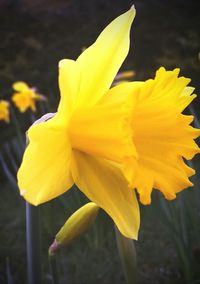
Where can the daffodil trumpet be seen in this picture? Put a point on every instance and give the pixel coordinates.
(111, 142)
(162, 135)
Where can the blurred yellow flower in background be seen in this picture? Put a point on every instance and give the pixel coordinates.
(4, 111)
(25, 97)
(124, 76)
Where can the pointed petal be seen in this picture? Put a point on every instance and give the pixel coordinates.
(100, 63)
(69, 81)
(103, 183)
(45, 170)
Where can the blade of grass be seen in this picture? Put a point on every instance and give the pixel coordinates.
(173, 218)
(53, 268)
(128, 257)
(8, 151)
(7, 172)
(20, 136)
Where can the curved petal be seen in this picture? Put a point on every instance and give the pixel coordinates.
(45, 170)
(103, 183)
(100, 63)
(69, 81)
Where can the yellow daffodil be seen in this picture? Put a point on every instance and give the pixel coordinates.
(4, 111)
(162, 135)
(90, 136)
(110, 142)
(25, 97)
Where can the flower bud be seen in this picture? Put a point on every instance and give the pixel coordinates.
(76, 225)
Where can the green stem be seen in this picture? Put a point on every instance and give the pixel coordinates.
(128, 257)
(33, 244)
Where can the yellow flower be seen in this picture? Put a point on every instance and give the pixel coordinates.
(162, 135)
(110, 142)
(89, 134)
(4, 111)
(25, 97)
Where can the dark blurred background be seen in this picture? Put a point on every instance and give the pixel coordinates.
(34, 36)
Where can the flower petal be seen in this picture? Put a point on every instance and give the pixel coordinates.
(69, 82)
(45, 170)
(20, 87)
(100, 63)
(103, 183)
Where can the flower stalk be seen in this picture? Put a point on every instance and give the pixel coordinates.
(9, 276)
(33, 244)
